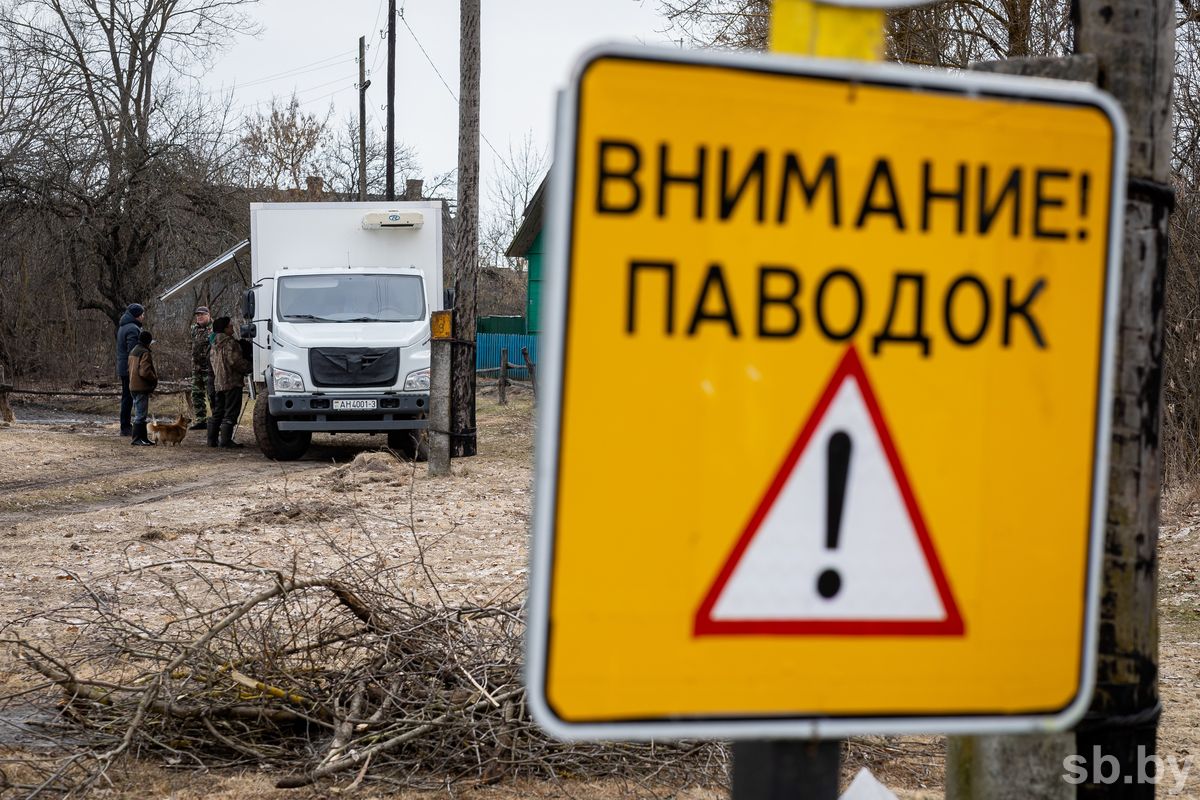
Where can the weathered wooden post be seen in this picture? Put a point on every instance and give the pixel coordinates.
(503, 386)
(531, 368)
(440, 370)
(6, 412)
(1134, 43)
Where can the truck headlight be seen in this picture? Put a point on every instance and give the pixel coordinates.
(417, 381)
(287, 381)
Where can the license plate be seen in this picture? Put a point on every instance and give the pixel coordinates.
(355, 405)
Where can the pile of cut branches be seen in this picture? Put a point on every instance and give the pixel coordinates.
(348, 675)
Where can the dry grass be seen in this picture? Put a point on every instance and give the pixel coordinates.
(432, 552)
(343, 655)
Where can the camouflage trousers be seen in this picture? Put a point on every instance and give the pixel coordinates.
(202, 391)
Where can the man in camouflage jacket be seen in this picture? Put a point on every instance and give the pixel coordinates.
(230, 368)
(202, 382)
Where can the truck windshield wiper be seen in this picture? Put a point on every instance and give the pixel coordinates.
(312, 317)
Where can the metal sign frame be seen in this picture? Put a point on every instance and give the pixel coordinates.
(207, 271)
(547, 440)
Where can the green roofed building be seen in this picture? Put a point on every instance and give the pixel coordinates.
(529, 244)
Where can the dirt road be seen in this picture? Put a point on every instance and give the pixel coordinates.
(78, 504)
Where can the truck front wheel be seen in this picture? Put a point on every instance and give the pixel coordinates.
(411, 444)
(274, 443)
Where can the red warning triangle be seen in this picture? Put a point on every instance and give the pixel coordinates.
(838, 545)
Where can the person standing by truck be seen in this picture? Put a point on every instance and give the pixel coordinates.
(127, 339)
(202, 378)
(230, 368)
(143, 380)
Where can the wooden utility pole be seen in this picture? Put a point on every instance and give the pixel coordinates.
(466, 233)
(391, 103)
(1134, 43)
(363, 83)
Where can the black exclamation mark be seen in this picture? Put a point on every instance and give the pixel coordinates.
(837, 471)
(1084, 184)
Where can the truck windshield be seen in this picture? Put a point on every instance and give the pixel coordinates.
(351, 298)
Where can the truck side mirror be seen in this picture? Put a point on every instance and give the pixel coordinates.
(249, 331)
(248, 304)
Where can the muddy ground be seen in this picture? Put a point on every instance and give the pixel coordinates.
(77, 503)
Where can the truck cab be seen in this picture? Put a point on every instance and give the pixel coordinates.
(345, 351)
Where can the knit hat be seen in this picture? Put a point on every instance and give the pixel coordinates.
(201, 310)
(220, 324)
(135, 310)
(145, 338)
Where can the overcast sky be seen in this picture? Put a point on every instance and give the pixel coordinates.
(528, 48)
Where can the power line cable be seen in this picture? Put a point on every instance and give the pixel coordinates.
(263, 83)
(378, 14)
(324, 97)
(375, 27)
(302, 92)
(425, 53)
(301, 70)
(296, 92)
(379, 122)
(319, 62)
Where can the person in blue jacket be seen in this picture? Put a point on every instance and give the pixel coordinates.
(127, 338)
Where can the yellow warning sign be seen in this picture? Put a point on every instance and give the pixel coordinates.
(824, 437)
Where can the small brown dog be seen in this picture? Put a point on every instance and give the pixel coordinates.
(169, 433)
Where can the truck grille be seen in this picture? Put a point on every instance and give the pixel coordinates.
(353, 366)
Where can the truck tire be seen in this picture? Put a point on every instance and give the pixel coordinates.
(276, 444)
(410, 444)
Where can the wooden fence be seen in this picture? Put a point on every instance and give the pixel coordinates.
(488, 347)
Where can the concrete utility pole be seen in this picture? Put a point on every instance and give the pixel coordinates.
(441, 352)
(363, 83)
(1134, 44)
(391, 103)
(466, 233)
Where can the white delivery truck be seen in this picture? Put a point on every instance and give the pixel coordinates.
(339, 302)
(338, 310)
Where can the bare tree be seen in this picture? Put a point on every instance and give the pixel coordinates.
(284, 145)
(111, 151)
(509, 194)
(951, 33)
(723, 24)
(443, 185)
(1181, 359)
(958, 32)
(339, 161)
(30, 82)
